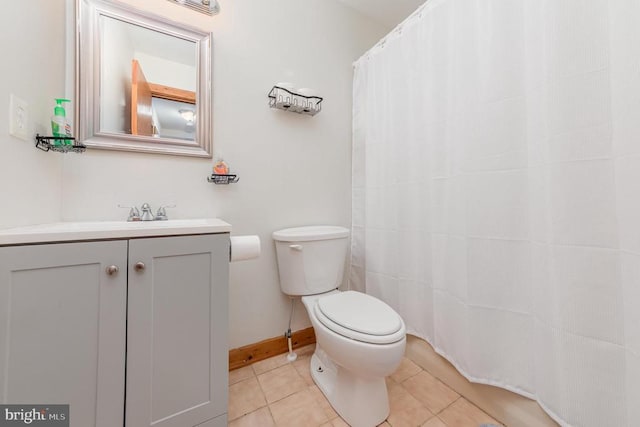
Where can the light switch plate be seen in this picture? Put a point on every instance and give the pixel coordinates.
(18, 118)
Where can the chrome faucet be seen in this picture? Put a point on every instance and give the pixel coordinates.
(147, 215)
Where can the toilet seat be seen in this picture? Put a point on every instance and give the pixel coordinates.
(360, 317)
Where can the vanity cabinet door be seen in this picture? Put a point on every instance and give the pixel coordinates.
(62, 328)
(177, 352)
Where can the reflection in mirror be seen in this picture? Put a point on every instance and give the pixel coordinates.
(173, 119)
(135, 58)
(150, 79)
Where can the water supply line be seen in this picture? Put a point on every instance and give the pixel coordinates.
(291, 356)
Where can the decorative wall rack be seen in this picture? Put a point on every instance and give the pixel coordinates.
(60, 144)
(223, 179)
(287, 100)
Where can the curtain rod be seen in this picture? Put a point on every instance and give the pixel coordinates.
(396, 30)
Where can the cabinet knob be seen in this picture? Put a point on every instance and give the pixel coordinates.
(112, 270)
(139, 266)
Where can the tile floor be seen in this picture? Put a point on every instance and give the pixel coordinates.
(274, 392)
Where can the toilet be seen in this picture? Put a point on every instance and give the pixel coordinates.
(359, 339)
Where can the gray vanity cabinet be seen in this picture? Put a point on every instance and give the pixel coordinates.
(74, 317)
(63, 328)
(177, 331)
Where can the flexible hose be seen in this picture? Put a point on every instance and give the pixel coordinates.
(291, 356)
(293, 308)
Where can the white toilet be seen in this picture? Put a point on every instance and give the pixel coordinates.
(360, 339)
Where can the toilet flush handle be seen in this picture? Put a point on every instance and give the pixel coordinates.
(296, 247)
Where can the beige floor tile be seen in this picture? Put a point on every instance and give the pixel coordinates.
(406, 370)
(463, 413)
(389, 381)
(323, 402)
(299, 409)
(302, 365)
(268, 364)
(240, 374)
(281, 382)
(338, 422)
(245, 397)
(295, 400)
(434, 422)
(307, 350)
(259, 418)
(430, 391)
(406, 410)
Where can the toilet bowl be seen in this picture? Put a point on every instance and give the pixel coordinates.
(360, 339)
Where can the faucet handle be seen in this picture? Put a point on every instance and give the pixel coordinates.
(161, 215)
(134, 213)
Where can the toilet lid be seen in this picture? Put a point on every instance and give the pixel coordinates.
(361, 317)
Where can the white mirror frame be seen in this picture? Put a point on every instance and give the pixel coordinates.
(88, 68)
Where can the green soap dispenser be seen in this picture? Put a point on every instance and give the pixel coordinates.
(59, 125)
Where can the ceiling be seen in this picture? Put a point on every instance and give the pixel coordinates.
(386, 12)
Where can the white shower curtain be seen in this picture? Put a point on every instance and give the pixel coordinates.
(496, 195)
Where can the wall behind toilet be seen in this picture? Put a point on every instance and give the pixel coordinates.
(294, 170)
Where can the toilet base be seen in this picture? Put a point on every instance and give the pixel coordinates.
(361, 402)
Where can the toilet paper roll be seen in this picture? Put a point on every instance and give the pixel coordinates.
(307, 91)
(244, 247)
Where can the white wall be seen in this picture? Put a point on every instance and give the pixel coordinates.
(294, 170)
(33, 52)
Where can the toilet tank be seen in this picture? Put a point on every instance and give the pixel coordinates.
(311, 259)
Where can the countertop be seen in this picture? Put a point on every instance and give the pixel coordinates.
(101, 230)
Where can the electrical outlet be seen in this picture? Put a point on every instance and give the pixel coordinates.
(18, 118)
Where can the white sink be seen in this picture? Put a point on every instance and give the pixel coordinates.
(72, 231)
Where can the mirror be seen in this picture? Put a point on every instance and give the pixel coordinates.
(144, 82)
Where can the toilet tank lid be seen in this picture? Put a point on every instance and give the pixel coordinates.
(314, 232)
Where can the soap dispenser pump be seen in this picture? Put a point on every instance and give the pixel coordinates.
(59, 125)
